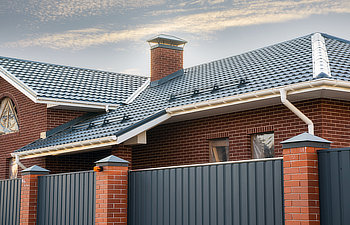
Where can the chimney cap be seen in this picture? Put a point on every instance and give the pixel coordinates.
(167, 40)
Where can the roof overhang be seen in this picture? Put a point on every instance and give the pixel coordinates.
(94, 144)
(320, 88)
(53, 102)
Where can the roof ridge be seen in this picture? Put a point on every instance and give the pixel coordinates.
(71, 67)
(269, 46)
(335, 38)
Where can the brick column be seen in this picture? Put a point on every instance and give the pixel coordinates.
(300, 169)
(111, 191)
(29, 194)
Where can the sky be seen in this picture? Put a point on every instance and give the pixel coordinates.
(111, 35)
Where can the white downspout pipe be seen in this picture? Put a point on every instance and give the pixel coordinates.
(19, 162)
(296, 111)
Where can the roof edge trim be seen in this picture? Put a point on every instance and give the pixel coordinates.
(67, 148)
(138, 92)
(18, 84)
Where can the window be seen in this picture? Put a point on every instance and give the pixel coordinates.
(8, 117)
(262, 145)
(218, 150)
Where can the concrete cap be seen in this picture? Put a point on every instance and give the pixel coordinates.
(167, 39)
(306, 140)
(112, 161)
(35, 170)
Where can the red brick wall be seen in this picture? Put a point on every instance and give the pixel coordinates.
(165, 61)
(336, 122)
(187, 142)
(56, 117)
(32, 121)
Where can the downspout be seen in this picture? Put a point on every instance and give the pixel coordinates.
(296, 111)
(19, 162)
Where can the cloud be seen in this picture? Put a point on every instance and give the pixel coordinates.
(51, 10)
(258, 12)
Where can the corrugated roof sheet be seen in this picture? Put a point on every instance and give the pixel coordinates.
(273, 66)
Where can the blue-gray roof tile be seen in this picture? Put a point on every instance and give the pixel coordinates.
(71, 83)
(273, 66)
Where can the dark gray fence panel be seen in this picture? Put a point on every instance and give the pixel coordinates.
(10, 199)
(66, 199)
(334, 177)
(218, 194)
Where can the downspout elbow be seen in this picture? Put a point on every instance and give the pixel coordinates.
(19, 162)
(296, 111)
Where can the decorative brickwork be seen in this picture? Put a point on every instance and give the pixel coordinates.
(112, 195)
(165, 61)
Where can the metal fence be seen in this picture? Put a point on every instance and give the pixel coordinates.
(334, 177)
(231, 193)
(66, 199)
(10, 199)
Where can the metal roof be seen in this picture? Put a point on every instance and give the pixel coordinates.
(278, 65)
(71, 83)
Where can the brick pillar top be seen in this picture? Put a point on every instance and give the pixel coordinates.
(35, 170)
(306, 140)
(300, 173)
(29, 194)
(166, 55)
(112, 161)
(112, 191)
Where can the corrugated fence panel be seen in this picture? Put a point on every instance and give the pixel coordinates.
(218, 194)
(10, 199)
(66, 199)
(334, 175)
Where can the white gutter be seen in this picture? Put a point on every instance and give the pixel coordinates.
(296, 111)
(67, 148)
(319, 84)
(65, 102)
(138, 92)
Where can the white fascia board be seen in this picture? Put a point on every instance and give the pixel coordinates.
(51, 102)
(68, 148)
(18, 84)
(144, 127)
(138, 92)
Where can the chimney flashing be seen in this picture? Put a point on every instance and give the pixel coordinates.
(167, 46)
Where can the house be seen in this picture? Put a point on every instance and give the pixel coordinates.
(235, 108)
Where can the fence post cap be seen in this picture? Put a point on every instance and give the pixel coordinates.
(35, 170)
(112, 161)
(306, 140)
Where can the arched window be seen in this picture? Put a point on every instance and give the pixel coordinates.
(8, 117)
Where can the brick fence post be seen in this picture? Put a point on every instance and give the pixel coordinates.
(111, 191)
(300, 170)
(29, 194)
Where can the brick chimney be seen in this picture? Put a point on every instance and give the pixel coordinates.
(166, 55)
